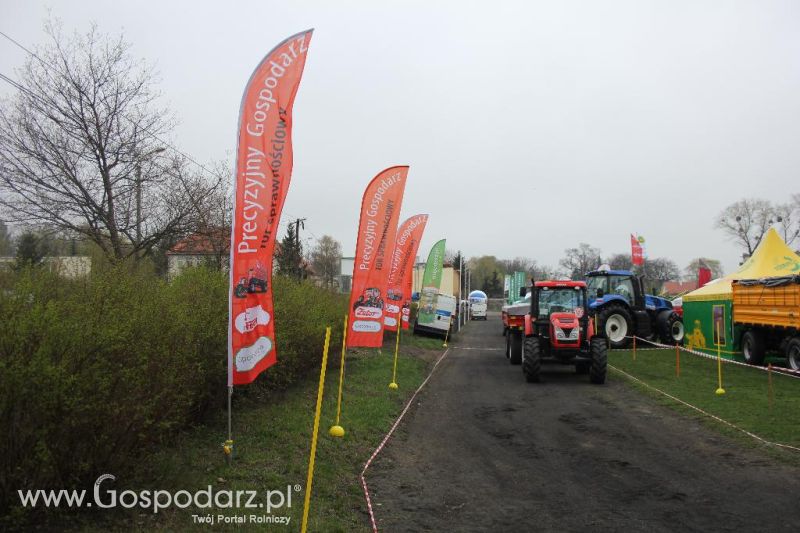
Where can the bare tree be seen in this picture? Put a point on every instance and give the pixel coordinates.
(6, 246)
(690, 272)
(746, 222)
(326, 259)
(662, 269)
(788, 219)
(531, 267)
(518, 264)
(80, 148)
(487, 275)
(214, 214)
(541, 272)
(578, 261)
(620, 262)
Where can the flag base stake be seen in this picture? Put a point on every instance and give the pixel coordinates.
(336, 431)
(720, 391)
(393, 385)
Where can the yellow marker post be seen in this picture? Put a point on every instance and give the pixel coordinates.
(720, 390)
(446, 334)
(393, 384)
(310, 477)
(337, 430)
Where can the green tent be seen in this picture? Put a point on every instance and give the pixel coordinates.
(707, 312)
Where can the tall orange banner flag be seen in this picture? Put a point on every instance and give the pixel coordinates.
(405, 250)
(263, 172)
(380, 210)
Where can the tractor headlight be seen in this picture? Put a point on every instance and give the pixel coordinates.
(559, 333)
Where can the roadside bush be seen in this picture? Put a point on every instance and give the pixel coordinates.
(97, 371)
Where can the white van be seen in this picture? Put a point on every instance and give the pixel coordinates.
(438, 317)
(478, 303)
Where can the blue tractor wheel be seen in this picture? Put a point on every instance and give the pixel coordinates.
(614, 320)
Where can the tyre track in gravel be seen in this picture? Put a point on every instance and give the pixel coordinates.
(483, 450)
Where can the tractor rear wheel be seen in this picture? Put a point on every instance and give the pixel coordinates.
(670, 327)
(753, 348)
(793, 353)
(532, 359)
(515, 351)
(599, 366)
(615, 320)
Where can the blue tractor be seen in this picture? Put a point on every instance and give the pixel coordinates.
(617, 299)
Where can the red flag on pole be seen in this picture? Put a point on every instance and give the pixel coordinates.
(380, 209)
(405, 250)
(703, 274)
(637, 255)
(263, 172)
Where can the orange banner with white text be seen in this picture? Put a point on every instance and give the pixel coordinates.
(405, 251)
(380, 210)
(263, 173)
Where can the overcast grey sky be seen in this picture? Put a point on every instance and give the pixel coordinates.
(529, 126)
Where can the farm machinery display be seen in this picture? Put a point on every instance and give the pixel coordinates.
(513, 316)
(622, 309)
(558, 329)
(767, 312)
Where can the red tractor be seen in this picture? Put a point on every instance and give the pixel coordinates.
(558, 330)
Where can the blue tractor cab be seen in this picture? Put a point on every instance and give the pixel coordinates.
(617, 299)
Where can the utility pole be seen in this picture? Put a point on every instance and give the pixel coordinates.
(299, 223)
(461, 310)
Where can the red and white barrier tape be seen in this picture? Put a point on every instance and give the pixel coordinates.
(386, 439)
(776, 369)
(706, 413)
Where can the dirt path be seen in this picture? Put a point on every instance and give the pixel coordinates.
(483, 450)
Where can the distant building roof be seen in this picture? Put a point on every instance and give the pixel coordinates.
(203, 243)
(679, 287)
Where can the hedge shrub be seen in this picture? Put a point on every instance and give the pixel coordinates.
(93, 372)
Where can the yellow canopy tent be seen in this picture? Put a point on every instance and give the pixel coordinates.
(772, 258)
(707, 311)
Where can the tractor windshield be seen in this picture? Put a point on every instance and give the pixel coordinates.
(596, 282)
(560, 300)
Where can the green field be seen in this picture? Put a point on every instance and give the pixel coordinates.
(746, 402)
(272, 442)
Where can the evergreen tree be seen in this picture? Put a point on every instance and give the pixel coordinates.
(290, 256)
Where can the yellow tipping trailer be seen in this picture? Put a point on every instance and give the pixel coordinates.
(768, 310)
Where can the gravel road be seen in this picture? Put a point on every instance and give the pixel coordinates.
(483, 450)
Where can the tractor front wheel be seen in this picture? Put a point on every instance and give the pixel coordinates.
(240, 291)
(599, 366)
(532, 359)
(615, 320)
(670, 327)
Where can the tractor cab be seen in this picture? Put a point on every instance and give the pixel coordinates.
(558, 314)
(607, 285)
(558, 330)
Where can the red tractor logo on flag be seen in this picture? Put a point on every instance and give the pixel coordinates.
(370, 298)
(255, 282)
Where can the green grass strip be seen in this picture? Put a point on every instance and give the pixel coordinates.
(746, 402)
(272, 443)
